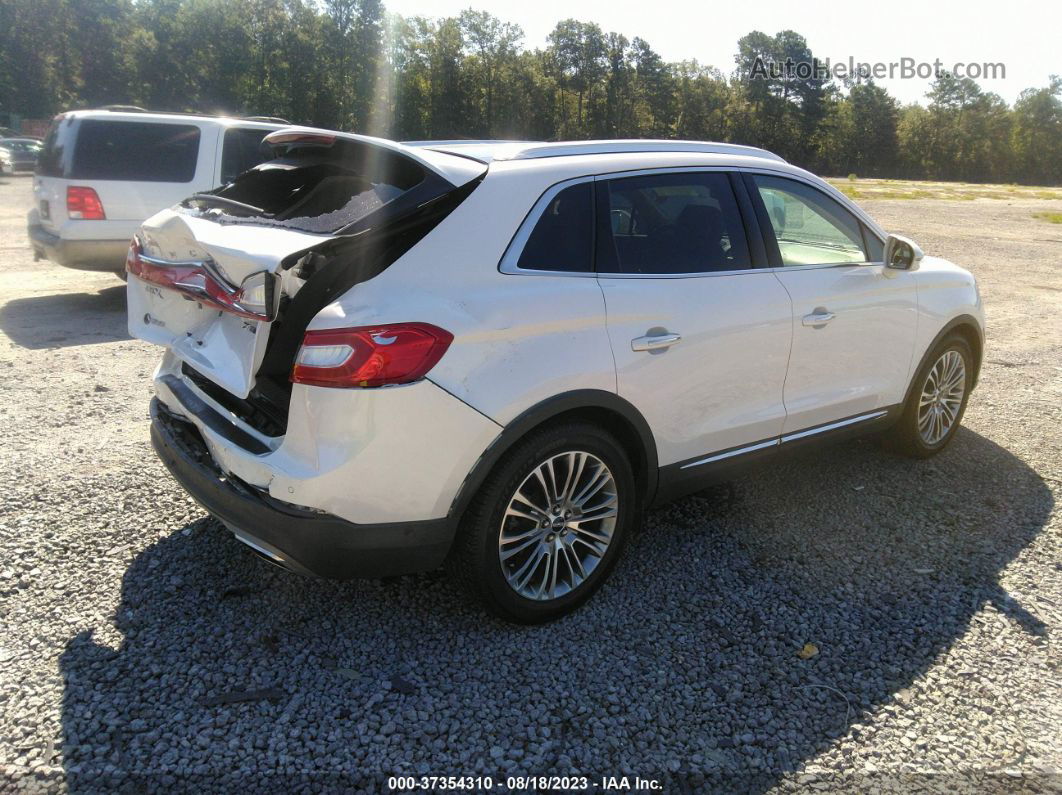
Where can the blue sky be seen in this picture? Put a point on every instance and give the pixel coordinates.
(1024, 35)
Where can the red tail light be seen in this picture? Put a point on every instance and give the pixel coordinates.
(84, 203)
(255, 298)
(396, 353)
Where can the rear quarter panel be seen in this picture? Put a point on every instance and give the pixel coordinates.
(518, 339)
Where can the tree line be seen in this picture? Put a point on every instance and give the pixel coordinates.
(350, 65)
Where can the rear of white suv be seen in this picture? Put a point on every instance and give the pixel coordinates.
(382, 355)
(101, 173)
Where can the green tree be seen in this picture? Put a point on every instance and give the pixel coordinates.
(344, 64)
(492, 45)
(656, 90)
(1037, 134)
(578, 62)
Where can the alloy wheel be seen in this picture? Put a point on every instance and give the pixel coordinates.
(558, 525)
(941, 398)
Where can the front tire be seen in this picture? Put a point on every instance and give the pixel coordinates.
(937, 400)
(549, 523)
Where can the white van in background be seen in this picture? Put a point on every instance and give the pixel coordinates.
(103, 172)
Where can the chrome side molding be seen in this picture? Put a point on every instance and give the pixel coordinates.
(789, 437)
(731, 453)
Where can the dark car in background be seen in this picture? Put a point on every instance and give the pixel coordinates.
(19, 154)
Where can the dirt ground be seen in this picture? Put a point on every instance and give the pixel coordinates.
(111, 578)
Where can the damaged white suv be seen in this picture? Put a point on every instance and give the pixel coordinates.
(382, 355)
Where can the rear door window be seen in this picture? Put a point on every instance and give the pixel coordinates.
(673, 223)
(135, 151)
(49, 164)
(241, 151)
(563, 237)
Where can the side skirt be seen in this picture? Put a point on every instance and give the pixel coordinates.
(686, 477)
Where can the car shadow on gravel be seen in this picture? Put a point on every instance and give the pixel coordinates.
(66, 319)
(683, 668)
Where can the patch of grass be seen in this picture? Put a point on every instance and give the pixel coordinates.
(1051, 218)
(905, 190)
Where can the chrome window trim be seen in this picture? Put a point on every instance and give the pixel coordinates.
(508, 263)
(710, 274)
(515, 248)
(511, 257)
(823, 187)
(817, 266)
(648, 172)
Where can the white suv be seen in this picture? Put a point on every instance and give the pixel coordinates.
(102, 172)
(380, 355)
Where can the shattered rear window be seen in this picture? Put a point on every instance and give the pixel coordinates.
(314, 190)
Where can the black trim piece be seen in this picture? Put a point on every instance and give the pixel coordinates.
(542, 413)
(210, 417)
(868, 233)
(753, 235)
(601, 225)
(770, 243)
(256, 410)
(305, 541)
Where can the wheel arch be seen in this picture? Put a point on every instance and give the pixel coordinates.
(970, 328)
(605, 409)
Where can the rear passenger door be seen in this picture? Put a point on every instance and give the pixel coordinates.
(854, 321)
(700, 336)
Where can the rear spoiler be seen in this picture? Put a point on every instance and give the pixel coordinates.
(454, 169)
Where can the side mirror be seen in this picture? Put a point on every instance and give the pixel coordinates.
(902, 253)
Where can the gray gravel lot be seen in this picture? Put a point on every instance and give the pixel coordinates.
(933, 591)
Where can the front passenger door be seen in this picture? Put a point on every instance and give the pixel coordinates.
(854, 322)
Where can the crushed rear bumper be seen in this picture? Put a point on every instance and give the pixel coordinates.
(302, 540)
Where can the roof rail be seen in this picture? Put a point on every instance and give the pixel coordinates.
(568, 148)
(465, 142)
(138, 109)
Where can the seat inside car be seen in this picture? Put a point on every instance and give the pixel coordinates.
(700, 237)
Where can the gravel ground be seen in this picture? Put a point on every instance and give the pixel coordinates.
(932, 591)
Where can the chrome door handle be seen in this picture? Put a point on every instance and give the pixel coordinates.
(819, 318)
(654, 342)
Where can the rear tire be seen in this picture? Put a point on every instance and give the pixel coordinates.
(937, 400)
(548, 524)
